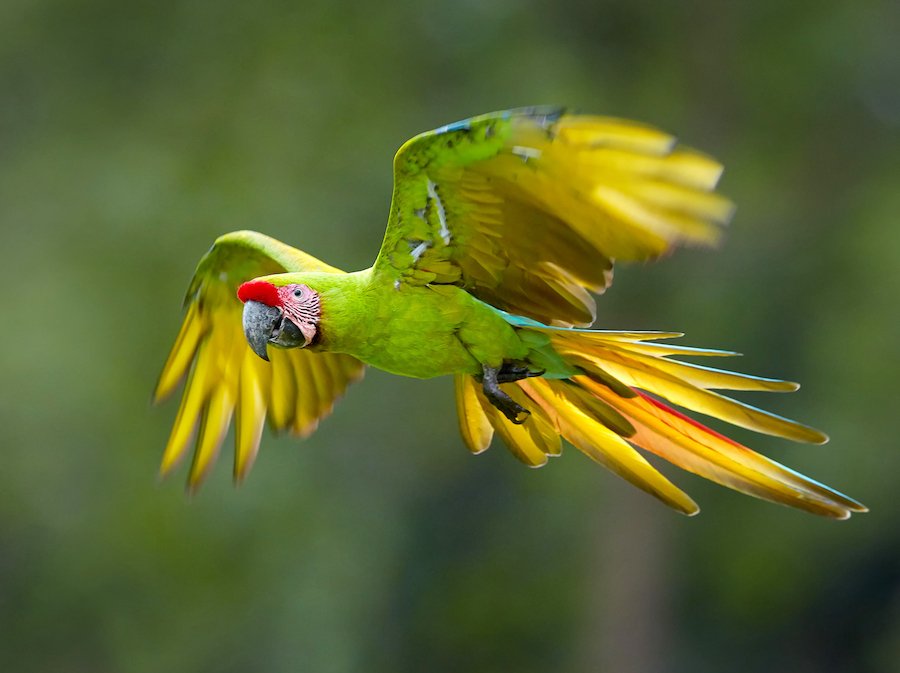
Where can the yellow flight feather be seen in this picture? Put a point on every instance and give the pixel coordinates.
(651, 378)
(250, 416)
(698, 375)
(712, 456)
(605, 447)
(283, 393)
(192, 330)
(200, 382)
(540, 202)
(474, 426)
(597, 131)
(308, 407)
(213, 426)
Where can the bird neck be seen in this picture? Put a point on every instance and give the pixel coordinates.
(348, 305)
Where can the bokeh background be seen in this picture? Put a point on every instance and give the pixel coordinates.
(133, 133)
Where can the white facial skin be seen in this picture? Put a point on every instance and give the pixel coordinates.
(301, 307)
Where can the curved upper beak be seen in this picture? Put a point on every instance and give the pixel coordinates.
(262, 323)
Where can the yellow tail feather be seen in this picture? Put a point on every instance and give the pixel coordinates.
(532, 442)
(601, 444)
(611, 411)
(474, 426)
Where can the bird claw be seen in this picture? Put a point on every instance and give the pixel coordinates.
(515, 412)
(510, 372)
(490, 384)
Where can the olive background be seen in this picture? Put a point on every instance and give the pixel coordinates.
(134, 133)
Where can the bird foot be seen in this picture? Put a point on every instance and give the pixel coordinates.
(510, 372)
(491, 379)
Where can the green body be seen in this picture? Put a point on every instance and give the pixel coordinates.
(420, 331)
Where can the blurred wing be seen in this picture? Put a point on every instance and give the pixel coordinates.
(527, 209)
(225, 378)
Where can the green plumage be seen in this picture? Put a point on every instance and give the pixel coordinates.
(420, 331)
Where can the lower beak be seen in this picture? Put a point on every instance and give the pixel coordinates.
(262, 323)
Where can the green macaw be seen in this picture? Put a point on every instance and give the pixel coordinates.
(500, 227)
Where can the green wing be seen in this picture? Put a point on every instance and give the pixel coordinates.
(527, 209)
(296, 389)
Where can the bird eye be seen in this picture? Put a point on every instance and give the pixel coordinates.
(298, 292)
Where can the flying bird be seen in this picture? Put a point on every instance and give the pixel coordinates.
(502, 228)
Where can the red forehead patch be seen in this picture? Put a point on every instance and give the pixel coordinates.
(259, 290)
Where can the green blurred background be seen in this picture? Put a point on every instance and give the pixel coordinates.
(133, 133)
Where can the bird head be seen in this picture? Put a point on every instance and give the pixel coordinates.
(286, 315)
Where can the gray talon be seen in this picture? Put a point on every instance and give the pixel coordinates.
(510, 372)
(490, 384)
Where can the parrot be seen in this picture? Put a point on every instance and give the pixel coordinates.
(501, 231)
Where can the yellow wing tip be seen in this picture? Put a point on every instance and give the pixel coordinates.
(160, 394)
(777, 386)
(538, 465)
(167, 383)
(816, 436)
(596, 131)
(195, 481)
(692, 167)
(845, 511)
(175, 451)
(245, 452)
(243, 463)
(304, 431)
(847, 508)
(196, 477)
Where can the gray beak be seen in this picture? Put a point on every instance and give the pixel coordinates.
(262, 323)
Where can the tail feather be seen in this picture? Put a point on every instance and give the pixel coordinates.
(694, 447)
(612, 407)
(662, 350)
(706, 377)
(474, 425)
(646, 376)
(601, 444)
(594, 407)
(531, 442)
